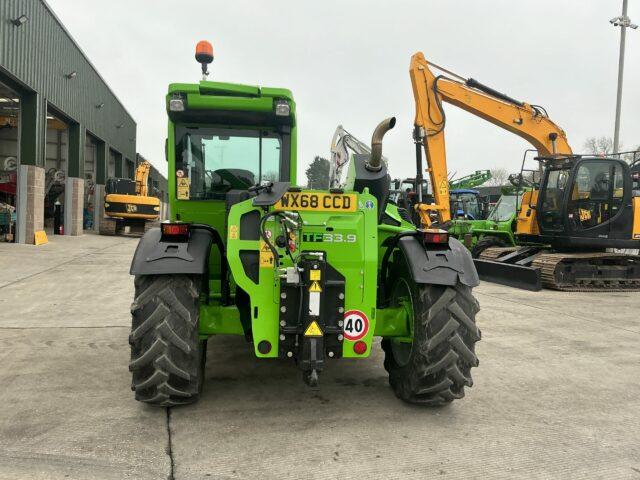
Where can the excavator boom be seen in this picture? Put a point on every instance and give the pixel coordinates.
(142, 178)
(342, 143)
(429, 91)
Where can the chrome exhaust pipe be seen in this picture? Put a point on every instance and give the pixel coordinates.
(375, 161)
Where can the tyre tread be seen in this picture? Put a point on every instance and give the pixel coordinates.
(166, 353)
(444, 347)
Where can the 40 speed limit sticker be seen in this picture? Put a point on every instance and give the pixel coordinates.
(356, 325)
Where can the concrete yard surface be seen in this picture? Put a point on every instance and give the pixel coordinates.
(556, 395)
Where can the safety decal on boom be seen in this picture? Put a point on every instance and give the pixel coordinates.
(356, 325)
(444, 187)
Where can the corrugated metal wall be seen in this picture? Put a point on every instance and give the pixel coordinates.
(40, 53)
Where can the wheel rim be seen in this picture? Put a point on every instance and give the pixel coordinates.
(402, 296)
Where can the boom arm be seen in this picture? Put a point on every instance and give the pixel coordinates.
(471, 181)
(526, 121)
(341, 143)
(142, 178)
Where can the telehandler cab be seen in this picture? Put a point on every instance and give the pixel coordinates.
(306, 275)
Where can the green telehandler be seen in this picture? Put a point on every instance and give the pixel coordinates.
(306, 276)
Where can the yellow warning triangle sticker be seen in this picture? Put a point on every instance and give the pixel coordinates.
(264, 247)
(313, 330)
(315, 287)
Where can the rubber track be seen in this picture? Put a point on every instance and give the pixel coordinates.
(549, 263)
(165, 355)
(107, 226)
(496, 252)
(485, 244)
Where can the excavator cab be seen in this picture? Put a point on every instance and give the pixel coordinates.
(586, 201)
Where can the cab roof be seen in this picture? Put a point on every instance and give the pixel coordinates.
(206, 87)
(230, 102)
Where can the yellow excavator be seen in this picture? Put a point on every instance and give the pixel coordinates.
(127, 203)
(582, 207)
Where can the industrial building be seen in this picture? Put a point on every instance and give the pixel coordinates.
(63, 132)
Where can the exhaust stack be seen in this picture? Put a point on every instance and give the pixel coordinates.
(375, 161)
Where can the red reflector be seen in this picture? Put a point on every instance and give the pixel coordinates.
(175, 229)
(440, 237)
(360, 347)
(264, 347)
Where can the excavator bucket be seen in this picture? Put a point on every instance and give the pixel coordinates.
(509, 274)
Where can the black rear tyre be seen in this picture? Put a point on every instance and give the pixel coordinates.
(436, 367)
(484, 243)
(167, 357)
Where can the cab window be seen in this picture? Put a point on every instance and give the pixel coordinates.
(466, 205)
(596, 195)
(504, 209)
(212, 161)
(552, 199)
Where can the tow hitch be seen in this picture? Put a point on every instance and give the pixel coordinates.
(311, 314)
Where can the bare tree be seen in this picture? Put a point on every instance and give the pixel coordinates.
(499, 177)
(599, 146)
(632, 156)
(270, 176)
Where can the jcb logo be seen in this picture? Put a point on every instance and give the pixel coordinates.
(131, 208)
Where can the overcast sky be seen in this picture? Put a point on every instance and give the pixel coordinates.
(347, 63)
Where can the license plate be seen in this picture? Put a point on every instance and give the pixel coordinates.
(324, 202)
(131, 208)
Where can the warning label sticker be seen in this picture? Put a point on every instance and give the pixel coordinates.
(233, 232)
(313, 330)
(183, 188)
(444, 187)
(314, 274)
(315, 287)
(266, 256)
(356, 325)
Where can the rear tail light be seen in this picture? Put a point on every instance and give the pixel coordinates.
(175, 231)
(435, 236)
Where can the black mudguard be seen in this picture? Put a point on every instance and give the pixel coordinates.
(155, 257)
(439, 267)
